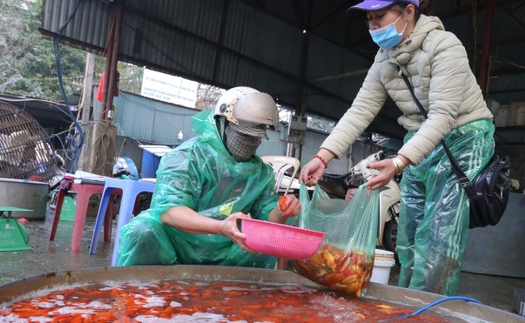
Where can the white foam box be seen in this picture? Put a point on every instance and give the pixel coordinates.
(502, 116)
(516, 115)
(520, 116)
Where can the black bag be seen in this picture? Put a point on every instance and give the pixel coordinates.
(489, 191)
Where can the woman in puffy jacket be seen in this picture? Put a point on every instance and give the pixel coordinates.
(434, 220)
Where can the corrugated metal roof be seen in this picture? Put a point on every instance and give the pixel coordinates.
(95, 14)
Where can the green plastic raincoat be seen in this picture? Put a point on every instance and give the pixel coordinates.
(203, 176)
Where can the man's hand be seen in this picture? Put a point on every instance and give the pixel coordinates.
(288, 206)
(229, 228)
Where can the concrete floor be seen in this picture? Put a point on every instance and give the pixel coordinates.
(54, 256)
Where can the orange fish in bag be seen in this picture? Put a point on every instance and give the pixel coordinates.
(345, 259)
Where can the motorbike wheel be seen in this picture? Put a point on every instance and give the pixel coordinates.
(390, 235)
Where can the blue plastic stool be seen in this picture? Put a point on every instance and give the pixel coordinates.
(130, 191)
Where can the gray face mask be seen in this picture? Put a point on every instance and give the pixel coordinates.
(241, 147)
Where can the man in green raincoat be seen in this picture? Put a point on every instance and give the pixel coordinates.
(205, 185)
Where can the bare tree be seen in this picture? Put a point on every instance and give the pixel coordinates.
(207, 96)
(13, 44)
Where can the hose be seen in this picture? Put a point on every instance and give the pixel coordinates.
(78, 138)
(439, 301)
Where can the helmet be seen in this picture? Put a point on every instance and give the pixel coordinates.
(247, 107)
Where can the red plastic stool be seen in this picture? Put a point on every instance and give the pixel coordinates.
(84, 192)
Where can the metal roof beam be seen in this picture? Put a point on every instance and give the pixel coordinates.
(481, 4)
(302, 27)
(297, 8)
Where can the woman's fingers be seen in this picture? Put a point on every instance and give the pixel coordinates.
(386, 173)
(311, 172)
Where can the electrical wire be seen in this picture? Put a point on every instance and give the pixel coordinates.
(35, 100)
(78, 138)
(62, 145)
(140, 34)
(504, 61)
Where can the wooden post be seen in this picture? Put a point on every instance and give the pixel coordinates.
(87, 93)
(111, 78)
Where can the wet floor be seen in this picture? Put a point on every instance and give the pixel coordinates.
(55, 256)
(52, 256)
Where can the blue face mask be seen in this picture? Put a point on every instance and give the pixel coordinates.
(387, 37)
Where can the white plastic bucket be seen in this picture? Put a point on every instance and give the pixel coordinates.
(383, 262)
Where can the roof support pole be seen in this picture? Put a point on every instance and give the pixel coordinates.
(485, 51)
(87, 92)
(112, 79)
(107, 67)
(220, 48)
(300, 109)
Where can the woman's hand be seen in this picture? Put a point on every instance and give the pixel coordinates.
(229, 229)
(312, 172)
(387, 171)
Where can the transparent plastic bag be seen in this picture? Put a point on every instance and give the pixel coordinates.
(345, 259)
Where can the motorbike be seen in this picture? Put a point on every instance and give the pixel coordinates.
(343, 186)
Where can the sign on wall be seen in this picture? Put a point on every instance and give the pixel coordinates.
(169, 88)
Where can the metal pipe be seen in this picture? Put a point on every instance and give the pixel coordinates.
(341, 75)
(109, 52)
(485, 52)
(112, 79)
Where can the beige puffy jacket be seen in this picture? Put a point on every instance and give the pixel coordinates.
(436, 64)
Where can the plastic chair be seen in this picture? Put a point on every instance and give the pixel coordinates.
(84, 191)
(130, 191)
(281, 164)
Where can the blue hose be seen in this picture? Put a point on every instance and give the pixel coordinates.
(444, 299)
(78, 137)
